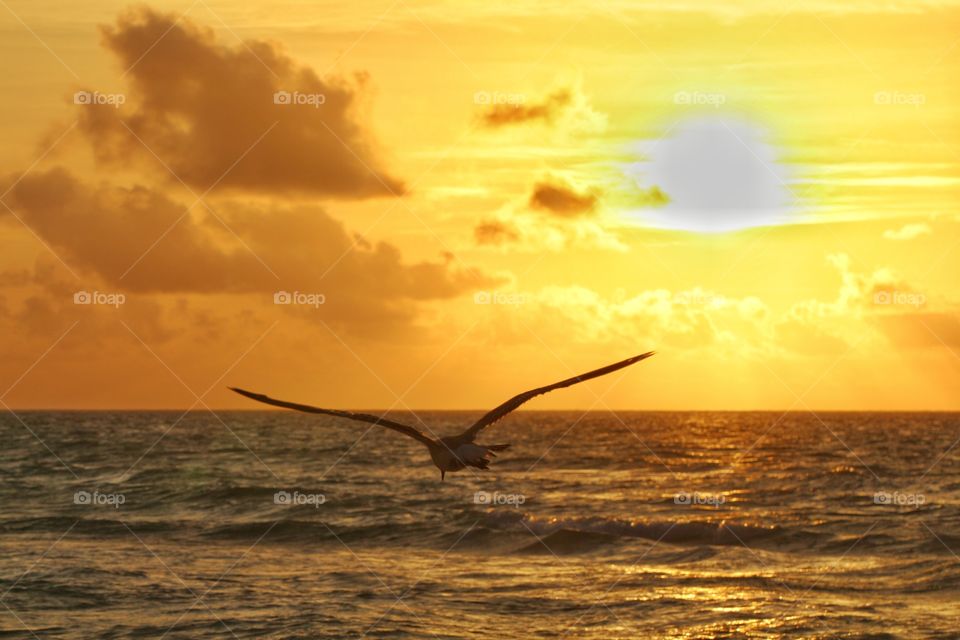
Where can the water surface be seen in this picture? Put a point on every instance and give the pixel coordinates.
(597, 525)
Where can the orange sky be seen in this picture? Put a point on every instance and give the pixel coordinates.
(436, 205)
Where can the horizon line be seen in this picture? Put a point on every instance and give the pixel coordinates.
(484, 410)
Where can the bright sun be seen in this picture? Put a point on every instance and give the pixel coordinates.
(720, 174)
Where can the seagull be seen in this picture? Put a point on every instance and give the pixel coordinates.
(458, 452)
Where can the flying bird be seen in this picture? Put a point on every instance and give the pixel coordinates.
(453, 453)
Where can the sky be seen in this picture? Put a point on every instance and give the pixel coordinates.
(435, 205)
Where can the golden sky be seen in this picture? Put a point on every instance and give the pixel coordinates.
(412, 204)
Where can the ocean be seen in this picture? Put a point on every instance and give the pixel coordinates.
(597, 525)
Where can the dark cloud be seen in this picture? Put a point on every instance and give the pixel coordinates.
(106, 229)
(201, 106)
(499, 115)
(652, 197)
(495, 232)
(562, 199)
(109, 231)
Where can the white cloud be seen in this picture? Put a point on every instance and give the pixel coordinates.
(908, 231)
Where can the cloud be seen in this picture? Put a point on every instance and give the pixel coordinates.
(535, 233)
(562, 200)
(824, 326)
(208, 111)
(652, 197)
(547, 110)
(566, 107)
(137, 239)
(569, 220)
(495, 232)
(876, 307)
(880, 303)
(908, 231)
(692, 319)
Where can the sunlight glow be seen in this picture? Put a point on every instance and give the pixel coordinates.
(719, 174)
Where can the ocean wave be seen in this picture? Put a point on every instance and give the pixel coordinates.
(591, 532)
(87, 526)
(307, 531)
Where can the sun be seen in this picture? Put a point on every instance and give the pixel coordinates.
(717, 174)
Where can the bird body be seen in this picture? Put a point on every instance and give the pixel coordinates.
(453, 454)
(458, 452)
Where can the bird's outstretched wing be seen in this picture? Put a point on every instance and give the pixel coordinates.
(362, 417)
(514, 402)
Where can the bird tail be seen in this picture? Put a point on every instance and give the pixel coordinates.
(478, 455)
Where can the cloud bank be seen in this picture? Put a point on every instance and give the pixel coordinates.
(213, 114)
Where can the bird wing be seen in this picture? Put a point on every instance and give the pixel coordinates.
(517, 400)
(362, 417)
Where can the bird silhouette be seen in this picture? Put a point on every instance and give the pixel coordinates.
(457, 452)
